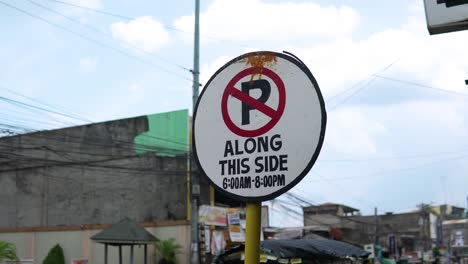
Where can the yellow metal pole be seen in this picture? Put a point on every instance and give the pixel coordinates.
(252, 230)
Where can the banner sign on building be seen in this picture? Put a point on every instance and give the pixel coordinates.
(236, 232)
(212, 215)
(458, 238)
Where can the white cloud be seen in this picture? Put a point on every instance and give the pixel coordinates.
(135, 88)
(349, 132)
(259, 20)
(337, 65)
(208, 69)
(88, 64)
(393, 129)
(338, 60)
(411, 129)
(145, 32)
(341, 62)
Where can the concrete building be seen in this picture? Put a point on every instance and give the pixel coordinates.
(455, 233)
(447, 211)
(407, 234)
(63, 186)
(403, 234)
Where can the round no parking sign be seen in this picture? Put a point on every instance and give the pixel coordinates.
(259, 125)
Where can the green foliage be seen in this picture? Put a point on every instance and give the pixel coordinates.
(7, 251)
(55, 256)
(167, 251)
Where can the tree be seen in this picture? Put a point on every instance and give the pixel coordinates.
(55, 256)
(7, 251)
(167, 251)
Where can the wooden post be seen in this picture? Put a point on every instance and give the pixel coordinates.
(131, 254)
(146, 254)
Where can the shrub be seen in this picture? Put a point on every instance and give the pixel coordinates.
(167, 251)
(55, 256)
(7, 251)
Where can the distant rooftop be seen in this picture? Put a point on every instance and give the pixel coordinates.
(330, 208)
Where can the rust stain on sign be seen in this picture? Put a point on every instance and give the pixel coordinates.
(258, 62)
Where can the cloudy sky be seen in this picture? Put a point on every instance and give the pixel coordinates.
(395, 96)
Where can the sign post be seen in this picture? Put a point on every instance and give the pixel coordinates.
(258, 128)
(252, 230)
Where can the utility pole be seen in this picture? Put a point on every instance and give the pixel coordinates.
(376, 227)
(377, 247)
(423, 222)
(195, 190)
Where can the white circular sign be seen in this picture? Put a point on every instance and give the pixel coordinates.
(259, 125)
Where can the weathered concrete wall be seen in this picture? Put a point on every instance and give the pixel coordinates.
(322, 219)
(453, 229)
(76, 244)
(361, 229)
(89, 175)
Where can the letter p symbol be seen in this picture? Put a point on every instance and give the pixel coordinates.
(265, 88)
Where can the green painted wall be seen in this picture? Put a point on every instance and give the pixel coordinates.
(168, 134)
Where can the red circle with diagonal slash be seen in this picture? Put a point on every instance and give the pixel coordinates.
(275, 115)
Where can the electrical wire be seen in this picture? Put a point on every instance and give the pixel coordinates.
(15, 102)
(366, 80)
(424, 165)
(397, 157)
(420, 85)
(107, 35)
(93, 10)
(133, 18)
(351, 95)
(58, 108)
(149, 63)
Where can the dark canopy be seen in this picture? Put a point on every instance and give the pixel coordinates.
(126, 232)
(303, 248)
(306, 249)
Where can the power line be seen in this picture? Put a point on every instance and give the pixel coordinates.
(53, 162)
(128, 18)
(420, 85)
(298, 198)
(352, 94)
(93, 10)
(116, 144)
(310, 218)
(45, 104)
(368, 79)
(109, 36)
(342, 190)
(15, 102)
(98, 142)
(96, 42)
(396, 157)
(400, 170)
(130, 144)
